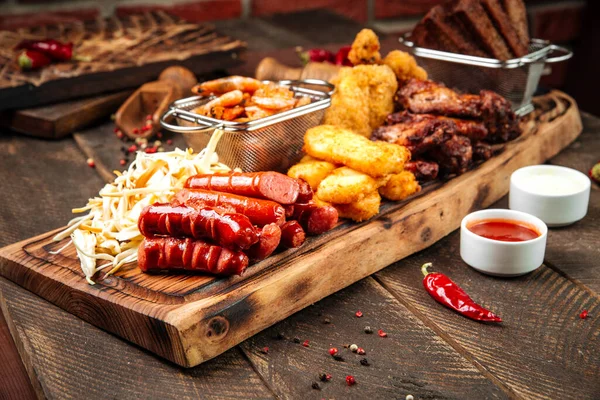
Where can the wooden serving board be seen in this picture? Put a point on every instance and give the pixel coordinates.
(55, 121)
(124, 52)
(190, 319)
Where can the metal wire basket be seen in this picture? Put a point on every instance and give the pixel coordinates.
(515, 79)
(267, 144)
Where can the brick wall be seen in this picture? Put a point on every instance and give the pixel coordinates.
(556, 20)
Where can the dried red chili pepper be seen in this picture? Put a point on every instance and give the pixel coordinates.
(448, 293)
(30, 59)
(316, 55)
(54, 49)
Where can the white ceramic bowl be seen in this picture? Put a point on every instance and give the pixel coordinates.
(559, 196)
(500, 258)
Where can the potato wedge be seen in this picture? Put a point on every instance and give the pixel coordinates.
(344, 186)
(312, 171)
(360, 210)
(341, 146)
(400, 186)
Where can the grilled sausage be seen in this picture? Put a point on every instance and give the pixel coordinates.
(167, 253)
(231, 230)
(306, 193)
(314, 219)
(268, 240)
(260, 212)
(262, 185)
(292, 235)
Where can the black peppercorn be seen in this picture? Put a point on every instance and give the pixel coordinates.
(316, 386)
(296, 340)
(364, 362)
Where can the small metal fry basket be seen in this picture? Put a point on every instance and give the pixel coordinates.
(516, 79)
(267, 144)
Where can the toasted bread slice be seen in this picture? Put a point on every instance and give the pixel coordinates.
(473, 18)
(437, 31)
(515, 9)
(503, 23)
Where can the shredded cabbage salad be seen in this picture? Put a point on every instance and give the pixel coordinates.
(109, 232)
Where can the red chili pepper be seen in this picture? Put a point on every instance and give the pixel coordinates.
(30, 59)
(341, 57)
(448, 293)
(358, 314)
(350, 380)
(54, 49)
(594, 173)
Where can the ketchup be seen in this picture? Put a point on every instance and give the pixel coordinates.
(504, 230)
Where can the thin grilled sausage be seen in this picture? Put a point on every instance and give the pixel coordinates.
(292, 234)
(306, 193)
(260, 212)
(262, 185)
(314, 219)
(268, 240)
(168, 253)
(231, 230)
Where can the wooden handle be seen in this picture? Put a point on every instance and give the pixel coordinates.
(273, 70)
(182, 78)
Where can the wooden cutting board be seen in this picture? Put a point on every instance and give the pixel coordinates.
(58, 120)
(124, 52)
(190, 319)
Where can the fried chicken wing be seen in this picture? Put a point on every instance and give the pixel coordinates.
(363, 98)
(400, 186)
(345, 186)
(489, 108)
(365, 48)
(361, 210)
(341, 146)
(404, 66)
(312, 171)
(423, 170)
(454, 155)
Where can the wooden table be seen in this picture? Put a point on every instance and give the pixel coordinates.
(543, 349)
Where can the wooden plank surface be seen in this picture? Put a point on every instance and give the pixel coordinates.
(57, 120)
(175, 317)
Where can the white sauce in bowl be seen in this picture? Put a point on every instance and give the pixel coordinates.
(550, 182)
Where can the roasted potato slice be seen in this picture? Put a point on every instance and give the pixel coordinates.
(344, 186)
(341, 146)
(360, 210)
(400, 186)
(312, 171)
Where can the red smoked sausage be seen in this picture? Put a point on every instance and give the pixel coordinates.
(263, 185)
(314, 219)
(231, 230)
(260, 212)
(306, 193)
(269, 239)
(167, 253)
(292, 234)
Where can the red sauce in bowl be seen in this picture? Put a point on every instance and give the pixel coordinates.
(504, 230)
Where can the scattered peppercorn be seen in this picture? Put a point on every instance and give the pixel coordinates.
(337, 357)
(279, 336)
(169, 141)
(122, 161)
(264, 350)
(333, 351)
(361, 351)
(136, 131)
(120, 135)
(584, 314)
(350, 380)
(381, 333)
(364, 362)
(116, 129)
(316, 386)
(410, 397)
(358, 314)
(306, 343)
(368, 330)
(132, 149)
(324, 377)
(151, 150)
(159, 135)
(148, 117)
(296, 340)
(326, 321)
(90, 162)
(346, 346)
(353, 348)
